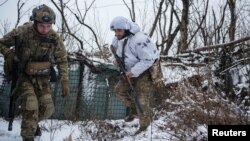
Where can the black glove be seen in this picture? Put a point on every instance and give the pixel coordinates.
(65, 88)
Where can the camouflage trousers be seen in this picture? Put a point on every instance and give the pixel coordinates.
(36, 103)
(144, 89)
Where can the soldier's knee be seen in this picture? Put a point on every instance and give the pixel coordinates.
(46, 108)
(31, 103)
(47, 113)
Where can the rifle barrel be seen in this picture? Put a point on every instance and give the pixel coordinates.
(132, 90)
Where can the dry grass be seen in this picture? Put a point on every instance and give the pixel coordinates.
(190, 106)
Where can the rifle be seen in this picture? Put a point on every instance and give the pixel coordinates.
(13, 93)
(132, 90)
(13, 96)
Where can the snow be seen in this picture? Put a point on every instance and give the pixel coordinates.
(53, 134)
(56, 130)
(162, 128)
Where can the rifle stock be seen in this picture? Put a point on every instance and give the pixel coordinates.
(132, 90)
(11, 116)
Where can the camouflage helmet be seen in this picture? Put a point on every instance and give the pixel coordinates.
(43, 14)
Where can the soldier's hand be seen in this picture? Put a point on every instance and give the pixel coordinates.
(65, 88)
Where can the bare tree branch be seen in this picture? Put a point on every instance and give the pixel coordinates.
(175, 13)
(171, 36)
(131, 11)
(232, 26)
(3, 2)
(164, 23)
(219, 26)
(224, 45)
(201, 22)
(183, 26)
(5, 25)
(81, 21)
(85, 60)
(156, 18)
(170, 40)
(19, 7)
(244, 60)
(66, 24)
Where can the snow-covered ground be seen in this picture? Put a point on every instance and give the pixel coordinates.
(108, 130)
(55, 130)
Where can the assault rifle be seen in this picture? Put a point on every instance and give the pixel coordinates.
(132, 90)
(13, 94)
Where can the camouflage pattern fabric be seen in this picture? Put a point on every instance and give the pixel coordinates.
(156, 74)
(33, 46)
(43, 14)
(37, 103)
(35, 92)
(144, 89)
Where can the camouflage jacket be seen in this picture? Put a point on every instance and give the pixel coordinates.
(32, 46)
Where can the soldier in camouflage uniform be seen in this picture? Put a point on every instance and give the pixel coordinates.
(37, 45)
(138, 53)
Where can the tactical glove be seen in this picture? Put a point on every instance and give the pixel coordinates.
(65, 88)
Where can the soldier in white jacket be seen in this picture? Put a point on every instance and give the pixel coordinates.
(138, 53)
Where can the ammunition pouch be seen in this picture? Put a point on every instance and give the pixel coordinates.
(38, 68)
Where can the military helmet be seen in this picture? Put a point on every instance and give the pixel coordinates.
(43, 14)
(120, 23)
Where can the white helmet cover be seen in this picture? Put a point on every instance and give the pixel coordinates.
(120, 23)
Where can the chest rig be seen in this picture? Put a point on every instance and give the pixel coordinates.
(36, 52)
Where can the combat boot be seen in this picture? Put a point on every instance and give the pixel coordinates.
(28, 139)
(132, 115)
(144, 123)
(142, 128)
(38, 131)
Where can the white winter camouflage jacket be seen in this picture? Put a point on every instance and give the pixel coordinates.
(140, 51)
